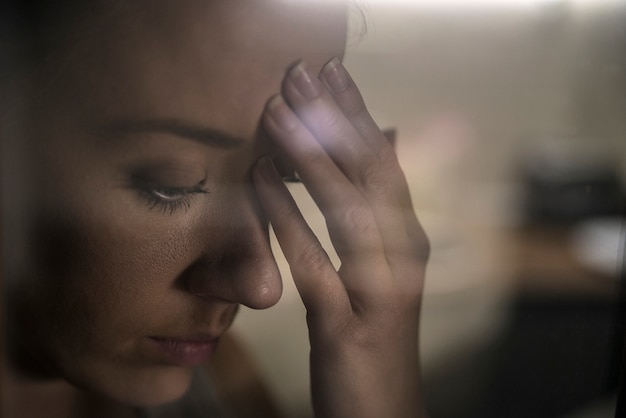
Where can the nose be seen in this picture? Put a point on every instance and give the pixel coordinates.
(242, 268)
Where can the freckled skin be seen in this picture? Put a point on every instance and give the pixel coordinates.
(104, 268)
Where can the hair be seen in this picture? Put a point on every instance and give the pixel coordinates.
(31, 30)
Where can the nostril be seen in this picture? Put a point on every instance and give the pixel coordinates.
(203, 291)
(200, 279)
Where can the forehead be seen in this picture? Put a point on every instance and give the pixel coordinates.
(214, 62)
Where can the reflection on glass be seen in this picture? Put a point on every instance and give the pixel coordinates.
(137, 205)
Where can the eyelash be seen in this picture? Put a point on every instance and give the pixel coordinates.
(168, 199)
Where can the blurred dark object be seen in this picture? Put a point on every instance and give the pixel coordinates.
(567, 181)
(557, 356)
(560, 349)
(620, 333)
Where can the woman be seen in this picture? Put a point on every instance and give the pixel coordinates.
(138, 189)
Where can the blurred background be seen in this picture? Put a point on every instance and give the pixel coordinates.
(510, 123)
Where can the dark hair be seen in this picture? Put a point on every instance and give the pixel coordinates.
(31, 29)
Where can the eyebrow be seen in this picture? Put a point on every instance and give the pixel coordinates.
(206, 135)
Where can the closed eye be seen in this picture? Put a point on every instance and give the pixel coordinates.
(168, 199)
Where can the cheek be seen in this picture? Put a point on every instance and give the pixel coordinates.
(87, 269)
(104, 272)
(95, 234)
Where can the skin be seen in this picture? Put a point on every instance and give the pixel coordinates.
(142, 228)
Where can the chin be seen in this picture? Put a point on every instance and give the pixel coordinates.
(167, 389)
(142, 388)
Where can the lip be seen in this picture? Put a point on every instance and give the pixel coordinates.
(187, 351)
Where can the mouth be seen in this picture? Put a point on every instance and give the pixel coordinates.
(186, 351)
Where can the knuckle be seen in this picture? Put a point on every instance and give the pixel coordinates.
(285, 211)
(312, 259)
(354, 107)
(333, 121)
(358, 217)
(370, 169)
(320, 116)
(371, 176)
(311, 158)
(387, 154)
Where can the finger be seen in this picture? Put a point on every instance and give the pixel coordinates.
(377, 176)
(315, 277)
(317, 110)
(350, 101)
(348, 98)
(351, 224)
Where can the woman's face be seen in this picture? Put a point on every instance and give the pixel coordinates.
(145, 233)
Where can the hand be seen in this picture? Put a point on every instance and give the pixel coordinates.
(363, 319)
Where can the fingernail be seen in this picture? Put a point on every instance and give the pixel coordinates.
(335, 75)
(265, 167)
(306, 84)
(281, 114)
